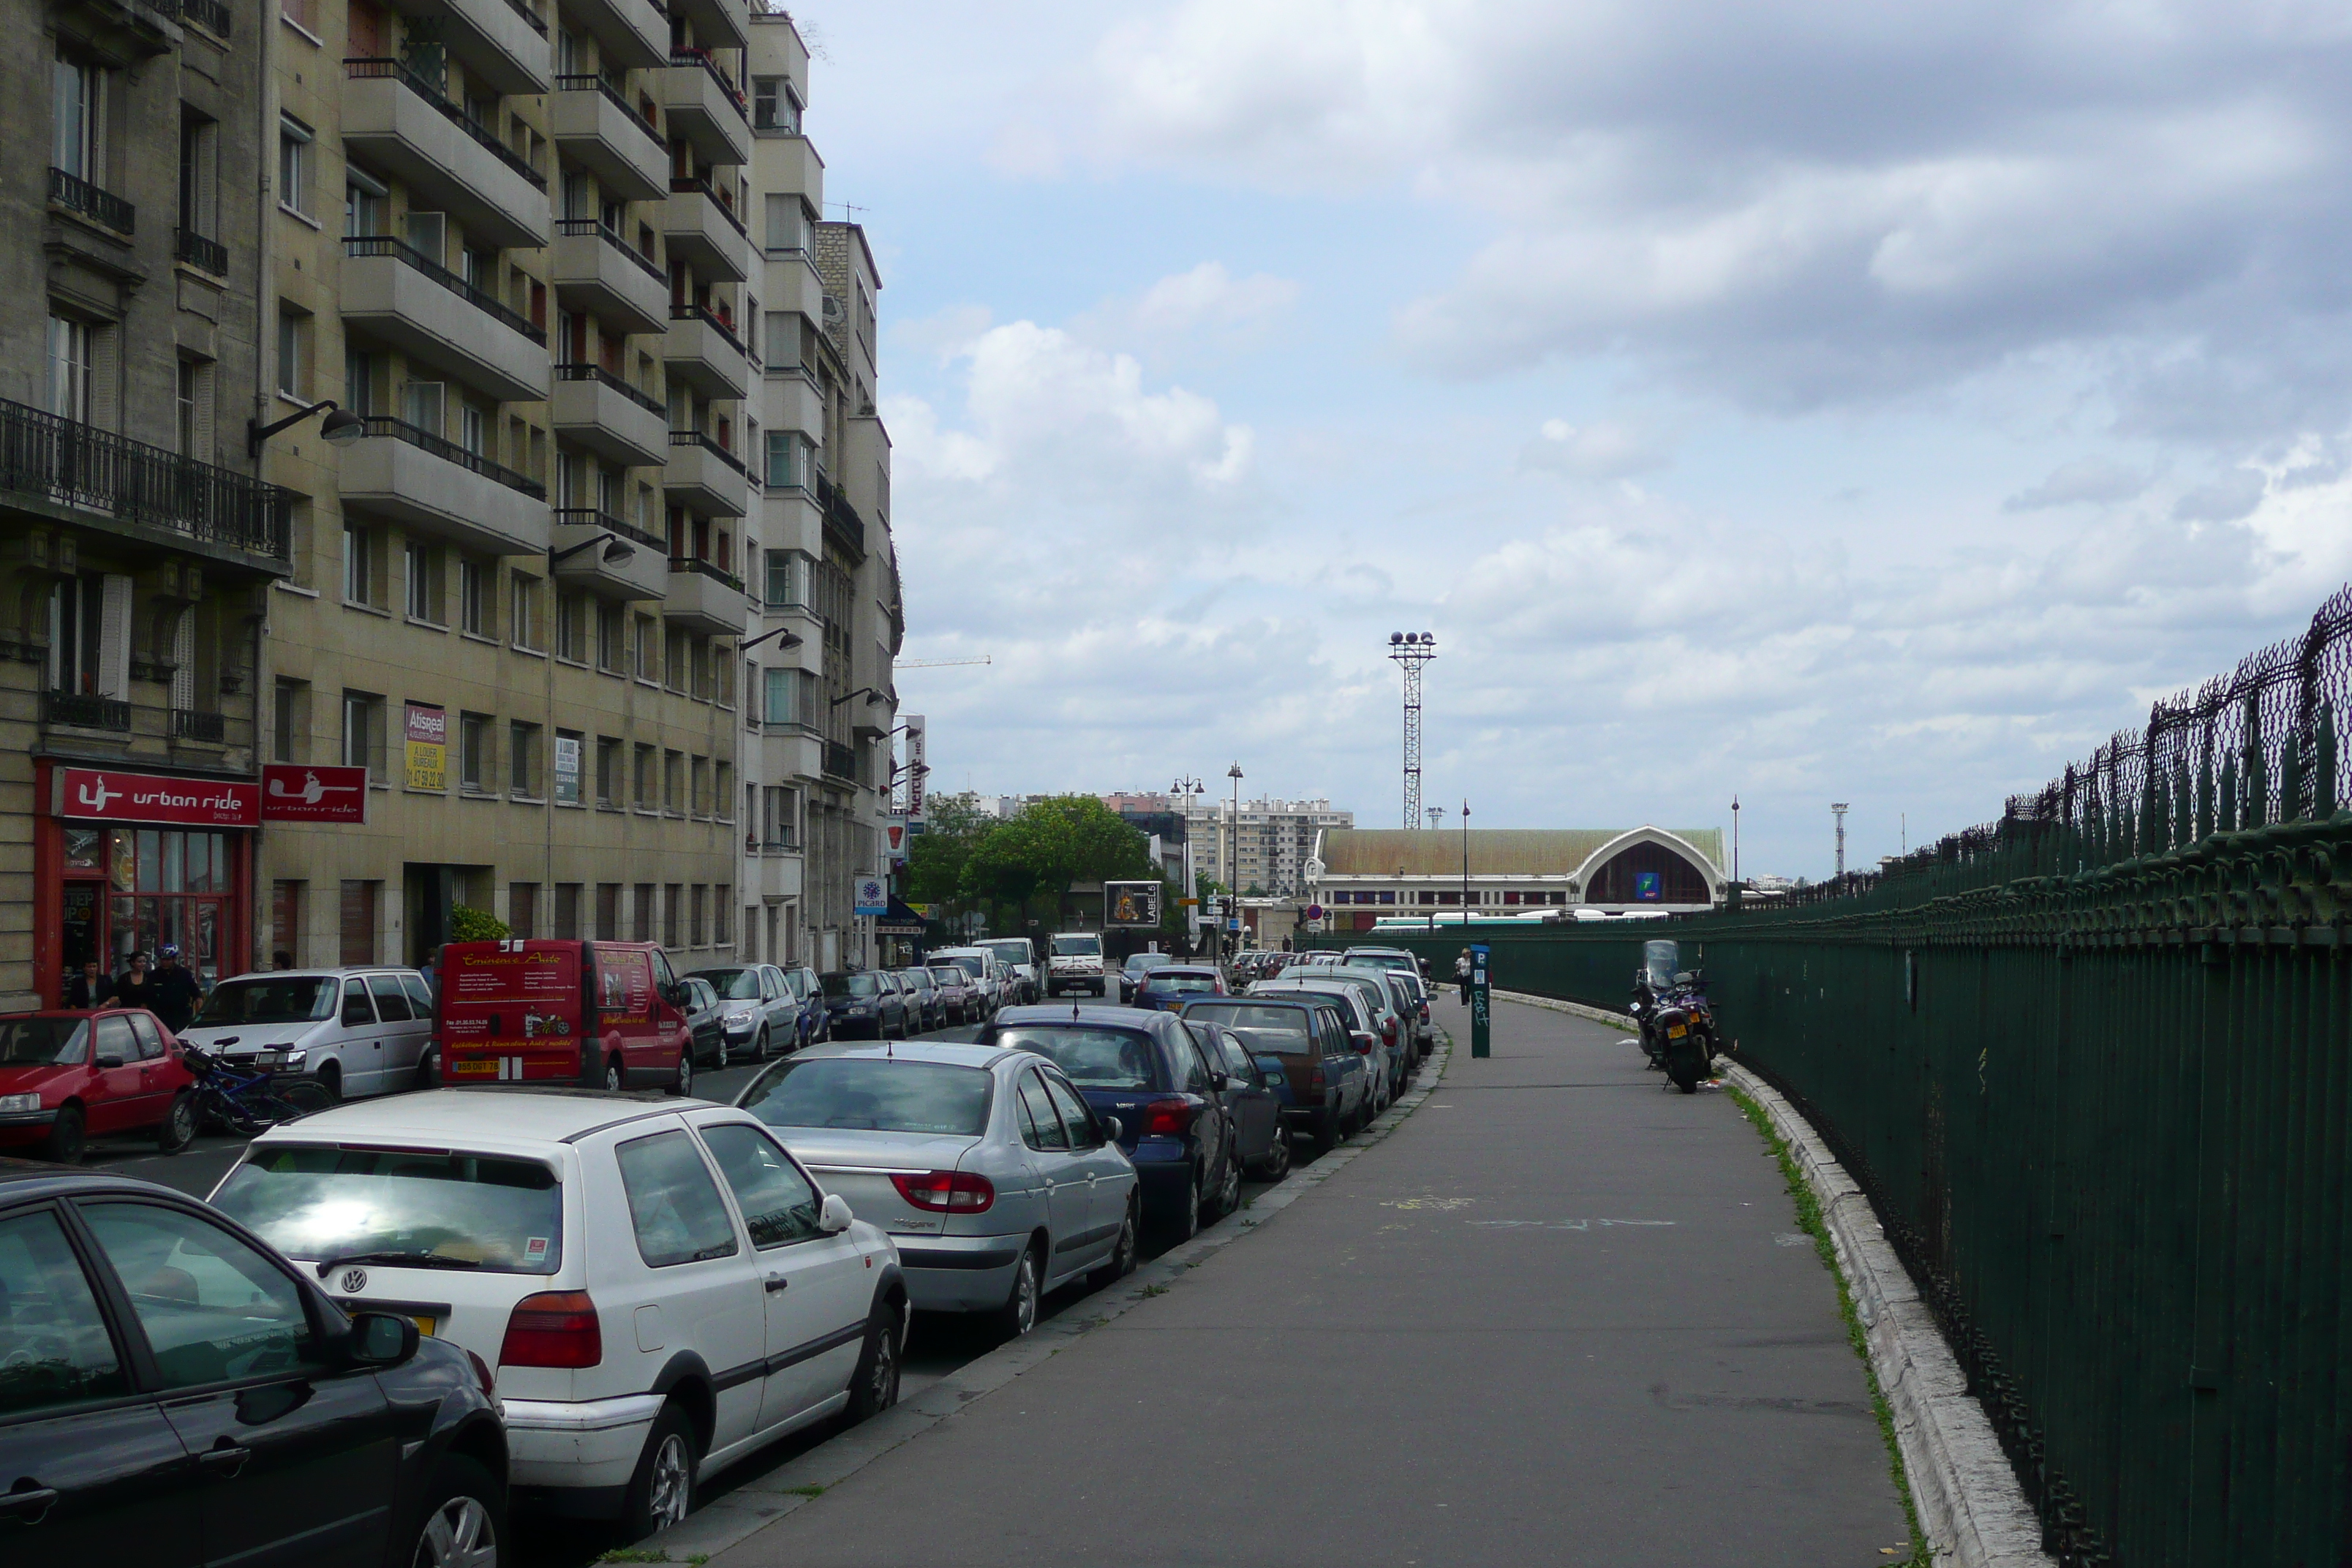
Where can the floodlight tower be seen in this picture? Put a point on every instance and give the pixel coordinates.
(1410, 651)
(1838, 810)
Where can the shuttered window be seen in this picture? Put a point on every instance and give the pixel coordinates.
(359, 921)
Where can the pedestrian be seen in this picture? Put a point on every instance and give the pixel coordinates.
(1462, 973)
(90, 988)
(281, 959)
(431, 970)
(136, 985)
(178, 992)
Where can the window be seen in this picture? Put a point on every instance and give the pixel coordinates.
(779, 1205)
(571, 628)
(364, 204)
(567, 911)
(643, 790)
(522, 756)
(359, 585)
(54, 1341)
(772, 108)
(424, 582)
(473, 775)
(722, 789)
(674, 909)
(356, 935)
(673, 1204)
(722, 900)
(697, 775)
(781, 350)
(295, 157)
(611, 651)
(1040, 1127)
(674, 783)
(191, 403)
(778, 811)
(522, 908)
(648, 647)
(1084, 1134)
(391, 999)
(696, 896)
(290, 722)
(522, 610)
(608, 911)
(71, 369)
(568, 747)
(362, 731)
(293, 351)
(642, 928)
(784, 463)
(474, 598)
(77, 114)
(790, 698)
(211, 1307)
(609, 782)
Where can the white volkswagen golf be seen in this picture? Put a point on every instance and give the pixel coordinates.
(661, 1288)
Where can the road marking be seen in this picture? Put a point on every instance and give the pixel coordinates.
(1427, 1203)
(1563, 1224)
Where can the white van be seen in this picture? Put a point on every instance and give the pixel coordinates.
(357, 1031)
(1018, 954)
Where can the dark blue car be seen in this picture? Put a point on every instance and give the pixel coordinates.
(1312, 1059)
(1167, 1091)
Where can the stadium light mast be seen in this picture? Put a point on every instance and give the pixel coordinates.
(1410, 651)
(1838, 809)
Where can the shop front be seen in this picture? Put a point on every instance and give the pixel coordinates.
(128, 862)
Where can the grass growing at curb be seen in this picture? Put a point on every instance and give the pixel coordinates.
(1810, 1220)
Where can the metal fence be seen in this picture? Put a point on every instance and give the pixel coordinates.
(2091, 1062)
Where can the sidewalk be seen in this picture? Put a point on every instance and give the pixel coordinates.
(1554, 1318)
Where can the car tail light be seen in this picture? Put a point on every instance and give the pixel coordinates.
(1314, 1078)
(946, 1192)
(1168, 1118)
(1388, 1030)
(554, 1328)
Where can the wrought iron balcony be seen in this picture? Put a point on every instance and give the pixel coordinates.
(207, 255)
(77, 465)
(78, 195)
(209, 15)
(449, 451)
(187, 724)
(86, 712)
(598, 84)
(589, 517)
(687, 184)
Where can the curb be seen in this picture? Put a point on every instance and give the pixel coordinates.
(742, 1512)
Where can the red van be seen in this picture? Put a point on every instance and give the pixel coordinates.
(601, 1014)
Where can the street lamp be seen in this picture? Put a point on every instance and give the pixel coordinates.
(340, 429)
(618, 551)
(1465, 867)
(1233, 866)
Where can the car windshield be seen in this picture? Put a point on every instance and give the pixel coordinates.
(1094, 1059)
(920, 979)
(734, 985)
(1083, 945)
(948, 974)
(1143, 960)
(1180, 985)
(971, 963)
(868, 1096)
(307, 1000)
(474, 1211)
(39, 1042)
(858, 985)
(1008, 951)
(1282, 1030)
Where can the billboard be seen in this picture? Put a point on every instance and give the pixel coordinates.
(425, 747)
(916, 768)
(298, 792)
(870, 896)
(1132, 904)
(110, 796)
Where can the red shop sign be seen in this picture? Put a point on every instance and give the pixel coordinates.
(297, 792)
(148, 797)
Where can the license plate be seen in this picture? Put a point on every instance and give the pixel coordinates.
(425, 1325)
(1676, 1031)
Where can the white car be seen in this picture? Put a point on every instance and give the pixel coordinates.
(356, 1031)
(659, 1287)
(987, 970)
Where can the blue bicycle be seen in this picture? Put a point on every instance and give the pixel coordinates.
(246, 1103)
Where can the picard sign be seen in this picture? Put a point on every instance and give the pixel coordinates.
(91, 794)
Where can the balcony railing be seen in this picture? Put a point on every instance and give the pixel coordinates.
(589, 517)
(716, 573)
(187, 724)
(585, 227)
(691, 57)
(209, 15)
(598, 84)
(697, 313)
(842, 517)
(79, 465)
(710, 445)
(689, 185)
(78, 195)
(840, 761)
(538, 23)
(86, 712)
(482, 299)
(425, 440)
(597, 373)
(368, 70)
(207, 255)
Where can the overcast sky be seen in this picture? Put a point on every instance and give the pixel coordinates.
(1835, 402)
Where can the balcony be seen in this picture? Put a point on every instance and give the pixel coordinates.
(399, 297)
(644, 575)
(791, 163)
(501, 43)
(703, 598)
(73, 711)
(842, 523)
(78, 196)
(719, 24)
(204, 255)
(401, 123)
(698, 226)
(703, 353)
(414, 478)
(630, 33)
(596, 409)
(209, 729)
(702, 103)
(792, 403)
(596, 271)
(210, 15)
(597, 129)
(76, 470)
(840, 761)
(704, 475)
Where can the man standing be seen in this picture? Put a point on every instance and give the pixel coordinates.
(90, 988)
(177, 992)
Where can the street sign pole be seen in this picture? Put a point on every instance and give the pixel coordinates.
(1482, 1028)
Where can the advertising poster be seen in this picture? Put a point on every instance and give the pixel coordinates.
(426, 760)
(567, 770)
(1132, 904)
(872, 896)
(894, 833)
(1648, 886)
(299, 792)
(916, 768)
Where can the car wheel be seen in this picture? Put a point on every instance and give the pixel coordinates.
(720, 1055)
(661, 1492)
(874, 1387)
(1122, 1262)
(1277, 1162)
(331, 1080)
(1019, 1313)
(463, 1516)
(1326, 1130)
(428, 1068)
(1228, 1195)
(684, 1084)
(64, 1143)
(1187, 1218)
(612, 1076)
(178, 1128)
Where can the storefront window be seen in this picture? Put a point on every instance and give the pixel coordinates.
(168, 887)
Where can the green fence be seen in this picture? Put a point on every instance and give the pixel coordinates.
(2091, 1063)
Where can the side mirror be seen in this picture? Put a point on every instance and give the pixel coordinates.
(380, 1338)
(834, 1216)
(1113, 1129)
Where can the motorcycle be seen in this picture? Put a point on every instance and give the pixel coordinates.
(1685, 1026)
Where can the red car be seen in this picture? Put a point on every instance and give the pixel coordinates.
(69, 1074)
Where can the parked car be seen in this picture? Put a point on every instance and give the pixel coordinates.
(1400, 965)
(554, 1010)
(988, 1168)
(67, 1075)
(758, 1014)
(987, 975)
(1379, 1015)
(1147, 1070)
(1167, 987)
(706, 1021)
(958, 995)
(813, 1023)
(924, 1003)
(661, 1287)
(1137, 965)
(1261, 1142)
(1018, 954)
(1312, 1057)
(144, 1333)
(863, 1004)
(355, 1031)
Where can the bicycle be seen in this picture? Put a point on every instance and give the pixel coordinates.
(246, 1103)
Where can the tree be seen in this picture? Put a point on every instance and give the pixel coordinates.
(953, 827)
(1052, 844)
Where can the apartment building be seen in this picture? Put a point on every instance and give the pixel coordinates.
(506, 238)
(1266, 849)
(826, 619)
(136, 545)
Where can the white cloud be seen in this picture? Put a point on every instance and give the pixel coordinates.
(1608, 449)
(2096, 480)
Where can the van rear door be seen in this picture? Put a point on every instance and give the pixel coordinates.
(510, 1012)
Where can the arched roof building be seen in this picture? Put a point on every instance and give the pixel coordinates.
(1359, 874)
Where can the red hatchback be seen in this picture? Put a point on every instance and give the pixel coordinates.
(68, 1074)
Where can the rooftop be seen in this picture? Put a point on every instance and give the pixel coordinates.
(1493, 851)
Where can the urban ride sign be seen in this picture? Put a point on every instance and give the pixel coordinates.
(298, 792)
(105, 796)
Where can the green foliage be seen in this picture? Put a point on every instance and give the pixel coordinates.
(1050, 845)
(952, 825)
(469, 924)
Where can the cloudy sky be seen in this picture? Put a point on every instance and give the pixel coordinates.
(1819, 401)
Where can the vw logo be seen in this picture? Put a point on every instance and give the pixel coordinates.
(354, 1281)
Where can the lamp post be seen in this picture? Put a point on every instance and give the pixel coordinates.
(1465, 866)
(1233, 862)
(1185, 787)
(340, 427)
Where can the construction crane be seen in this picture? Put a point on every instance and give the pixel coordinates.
(937, 663)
